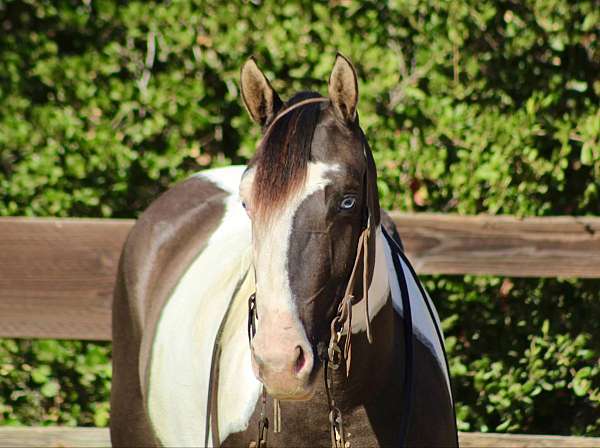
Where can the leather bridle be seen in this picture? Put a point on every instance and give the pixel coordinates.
(331, 355)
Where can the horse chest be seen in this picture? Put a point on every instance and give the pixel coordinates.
(306, 424)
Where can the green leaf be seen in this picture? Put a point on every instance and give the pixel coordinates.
(50, 389)
(586, 154)
(40, 374)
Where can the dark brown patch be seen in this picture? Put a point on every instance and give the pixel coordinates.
(326, 237)
(328, 240)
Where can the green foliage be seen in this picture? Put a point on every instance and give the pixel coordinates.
(470, 106)
(521, 353)
(48, 382)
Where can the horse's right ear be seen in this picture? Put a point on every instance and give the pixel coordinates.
(260, 99)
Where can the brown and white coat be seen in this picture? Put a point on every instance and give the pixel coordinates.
(195, 256)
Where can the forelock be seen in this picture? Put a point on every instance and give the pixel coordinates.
(283, 155)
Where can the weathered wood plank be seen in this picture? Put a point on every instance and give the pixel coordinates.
(98, 437)
(57, 275)
(562, 246)
(53, 436)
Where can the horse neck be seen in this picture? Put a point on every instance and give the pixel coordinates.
(371, 363)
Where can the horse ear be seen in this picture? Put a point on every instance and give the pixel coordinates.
(260, 99)
(343, 89)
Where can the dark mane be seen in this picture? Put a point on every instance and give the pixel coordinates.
(283, 155)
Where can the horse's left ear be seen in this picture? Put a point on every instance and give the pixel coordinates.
(343, 89)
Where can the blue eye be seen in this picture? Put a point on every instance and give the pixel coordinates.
(348, 203)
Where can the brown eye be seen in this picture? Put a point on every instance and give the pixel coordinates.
(348, 203)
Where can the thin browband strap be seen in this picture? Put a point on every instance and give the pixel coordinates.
(294, 106)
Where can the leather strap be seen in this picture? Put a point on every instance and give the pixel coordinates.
(408, 338)
(291, 108)
(212, 409)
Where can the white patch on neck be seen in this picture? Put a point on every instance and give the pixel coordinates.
(271, 248)
(423, 323)
(227, 178)
(378, 290)
(185, 334)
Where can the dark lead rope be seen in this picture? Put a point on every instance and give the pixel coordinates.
(396, 250)
(408, 339)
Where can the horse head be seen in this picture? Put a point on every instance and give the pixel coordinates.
(311, 193)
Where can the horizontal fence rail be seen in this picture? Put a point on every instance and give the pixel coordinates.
(57, 275)
(99, 437)
(560, 246)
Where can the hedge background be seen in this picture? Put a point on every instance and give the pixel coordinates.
(470, 106)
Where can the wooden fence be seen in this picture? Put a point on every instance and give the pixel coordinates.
(56, 280)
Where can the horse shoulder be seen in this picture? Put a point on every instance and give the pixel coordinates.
(164, 242)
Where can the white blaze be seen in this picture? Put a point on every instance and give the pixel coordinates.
(271, 246)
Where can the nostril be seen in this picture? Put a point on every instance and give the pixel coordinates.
(300, 360)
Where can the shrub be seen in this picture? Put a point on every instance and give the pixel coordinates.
(469, 106)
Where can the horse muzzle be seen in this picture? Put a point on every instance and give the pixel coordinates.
(283, 360)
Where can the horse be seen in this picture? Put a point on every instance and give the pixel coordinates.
(272, 303)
